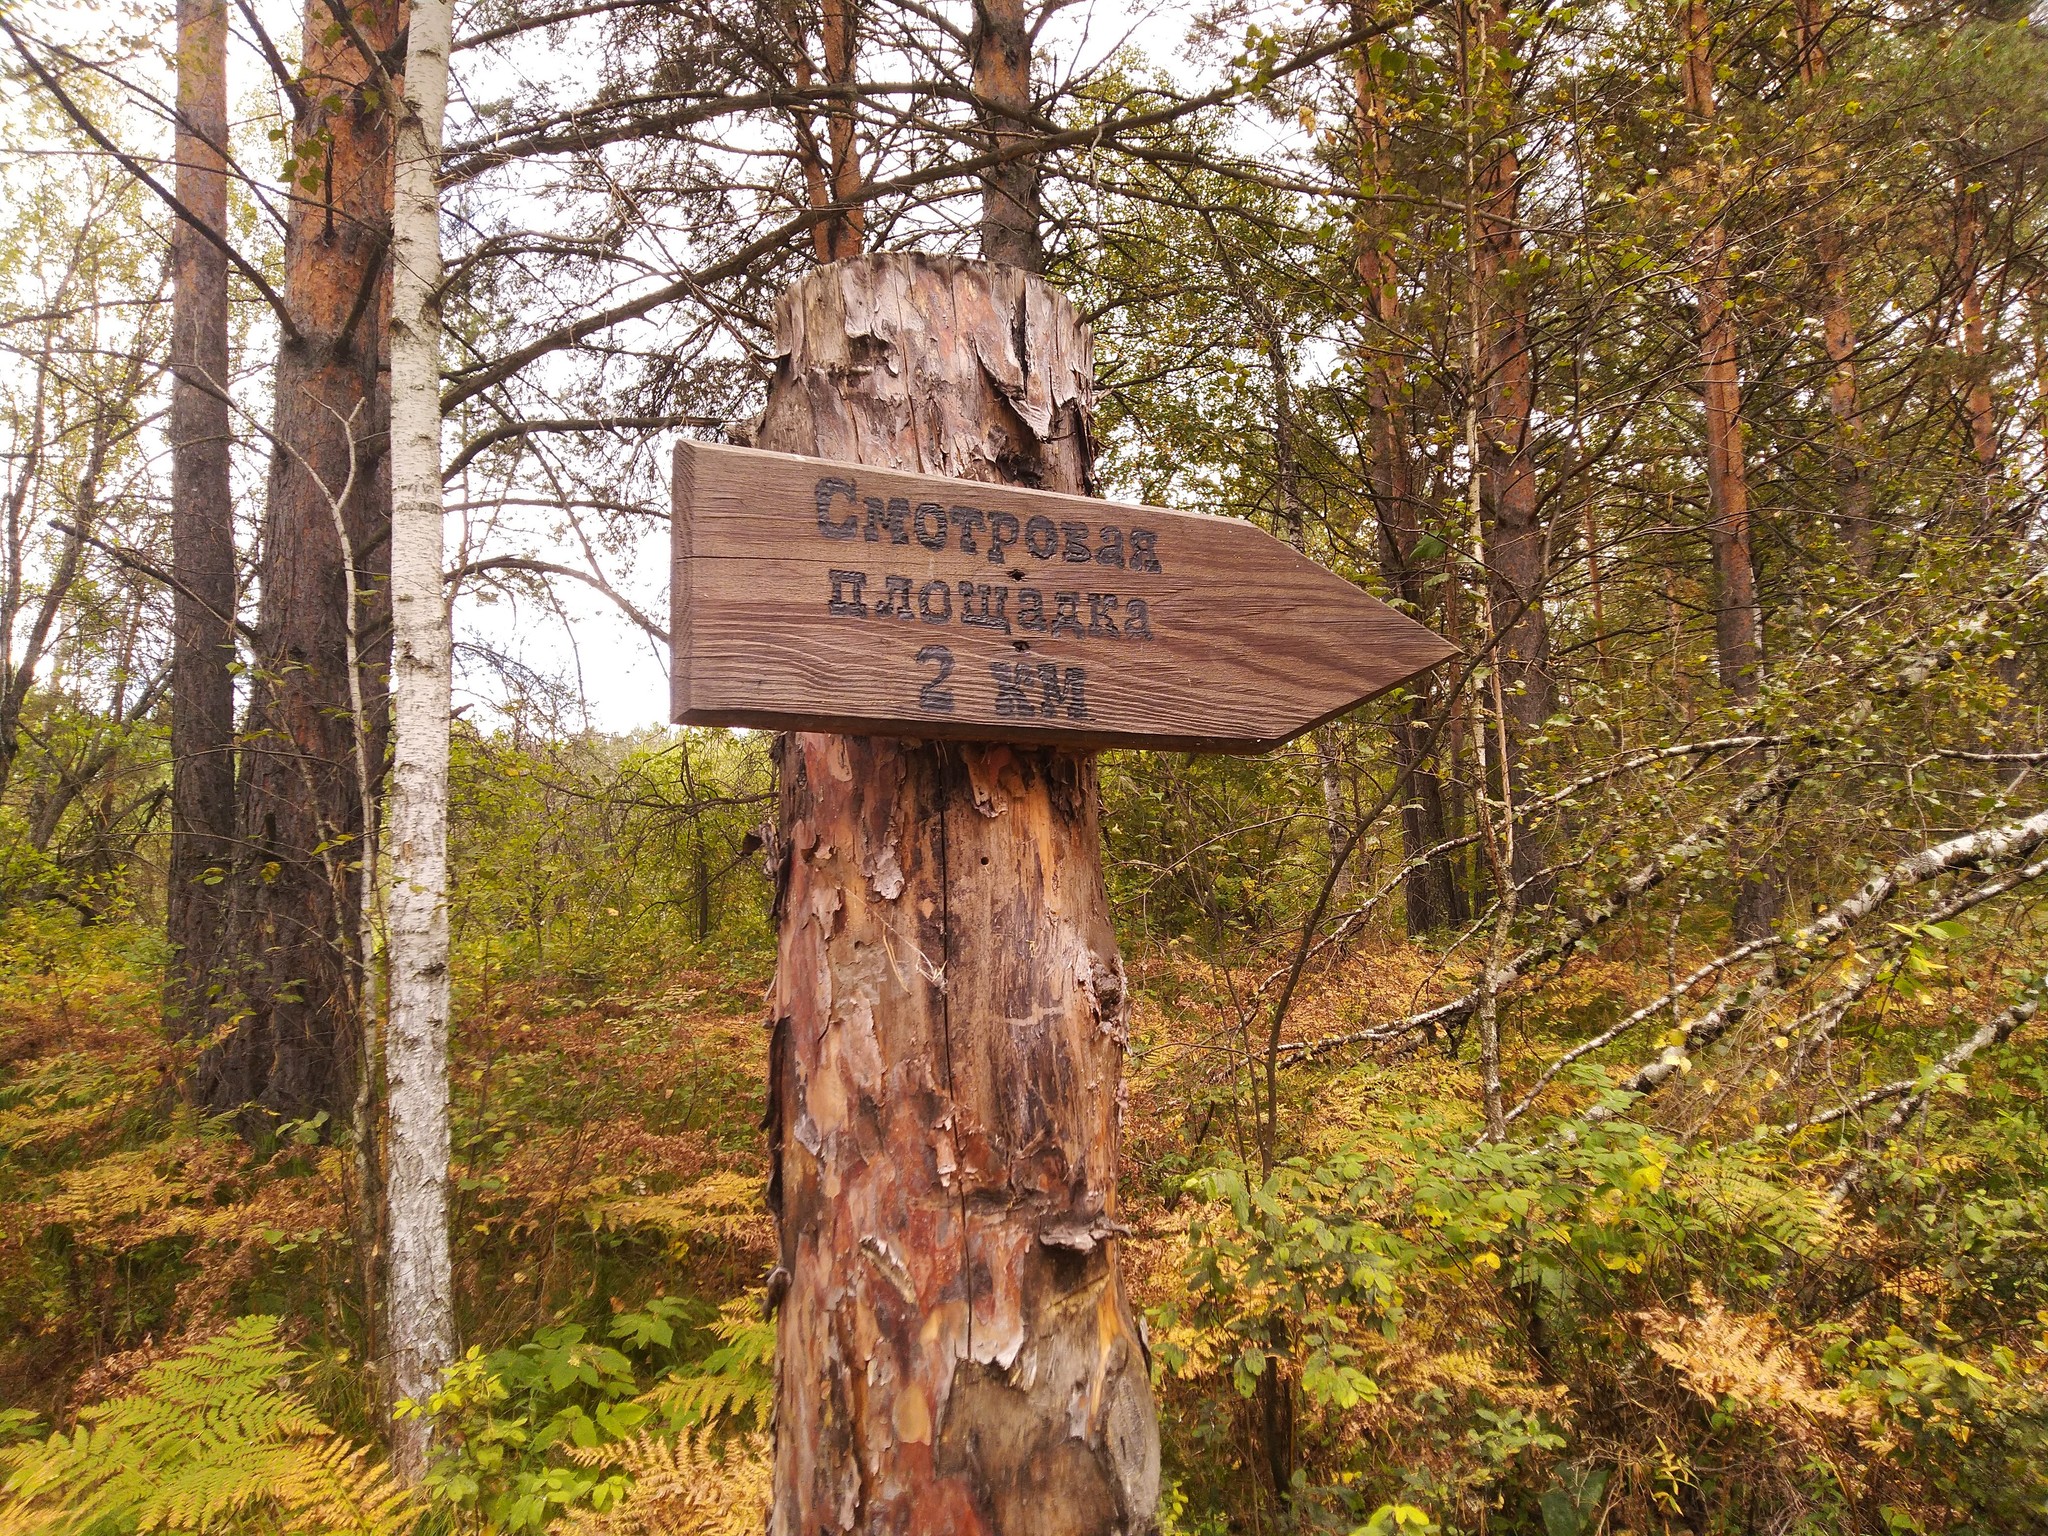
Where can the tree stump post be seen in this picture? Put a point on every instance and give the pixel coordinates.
(955, 1352)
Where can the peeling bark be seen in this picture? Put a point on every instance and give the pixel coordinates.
(955, 1352)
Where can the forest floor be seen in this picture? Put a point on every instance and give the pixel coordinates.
(1610, 1336)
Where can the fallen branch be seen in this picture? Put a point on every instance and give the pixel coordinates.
(2013, 840)
(1778, 781)
(1993, 1031)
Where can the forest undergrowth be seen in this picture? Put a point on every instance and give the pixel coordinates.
(1624, 1327)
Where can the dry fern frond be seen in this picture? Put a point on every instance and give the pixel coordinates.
(1729, 1360)
(724, 1205)
(690, 1486)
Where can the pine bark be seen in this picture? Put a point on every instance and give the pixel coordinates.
(1432, 895)
(1977, 402)
(1738, 612)
(830, 165)
(1737, 619)
(1011, 214)
(419, 1294)
(202, 527)
(1847, 471)
(1517, 545)
(314, 733)
(955, 1351)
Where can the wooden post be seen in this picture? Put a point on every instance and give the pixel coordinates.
(955, 1350)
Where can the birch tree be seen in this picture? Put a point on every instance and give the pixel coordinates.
(421, 1324)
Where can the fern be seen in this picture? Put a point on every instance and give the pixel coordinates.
(213, 1440)
(690, 1486)
(735, 1379)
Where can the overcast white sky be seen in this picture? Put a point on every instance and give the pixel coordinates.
(623, 674)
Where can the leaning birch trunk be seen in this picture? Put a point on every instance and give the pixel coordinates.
(955, 1352)
(419, 1303)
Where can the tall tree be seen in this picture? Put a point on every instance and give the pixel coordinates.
(419, 1297)
(202, 519)
(1432, 895)
(1516, 544)
(1012, 217)
(831, 164)
(1977, 405)
(1849, 475)
(1738, 613)
(313, 741)
(1738, 628)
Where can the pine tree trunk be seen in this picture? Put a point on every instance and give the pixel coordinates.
(1000, 44)
(1738, 614)
(202, 527)
(419, 1297)
(1847, 472)
(1431, 893)
(314, 733)
(1978, 406)
(1517, 544)
(955, 1351)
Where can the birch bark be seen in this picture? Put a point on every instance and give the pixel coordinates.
(420, 1321)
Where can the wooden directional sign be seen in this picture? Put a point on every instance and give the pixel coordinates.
(811, 595)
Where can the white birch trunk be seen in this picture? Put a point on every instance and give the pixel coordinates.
(419, 1298)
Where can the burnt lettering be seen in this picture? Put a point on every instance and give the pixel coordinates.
(1144, 549)
(1011, 701)
(1041, 538)
(1030, 608)
(1002, 533)
(930, 696)
(1066, 614)
(844, 582)
(985, 606)
(940, 612)
(1137, 619)
(930, 525)
(1101, 607)
(1057, 693)
(892, 515)
(1111, 550)
(895, 599)
(1074, 543)
(968, 519)
(830, 489)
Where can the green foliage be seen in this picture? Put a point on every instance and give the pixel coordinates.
(596, 857)
(212, 1440)
(559, 1422)
(734, 1381)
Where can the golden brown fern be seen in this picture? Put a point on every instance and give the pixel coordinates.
(690, 1486)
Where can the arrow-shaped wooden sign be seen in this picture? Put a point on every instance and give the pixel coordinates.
(810, 595)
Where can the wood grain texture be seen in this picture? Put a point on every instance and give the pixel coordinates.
(850, 598)
(955, 1353)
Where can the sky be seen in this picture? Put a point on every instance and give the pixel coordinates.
(622, 673)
